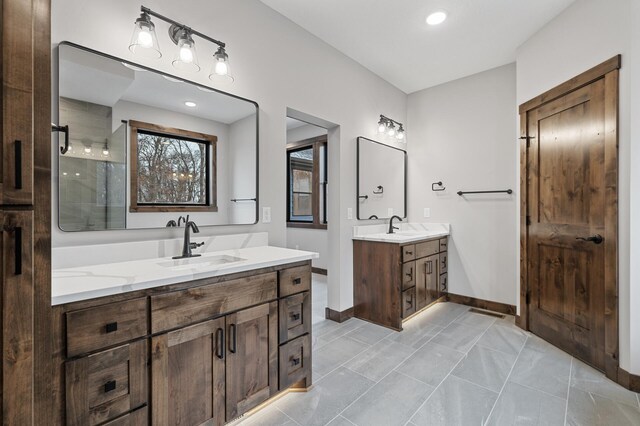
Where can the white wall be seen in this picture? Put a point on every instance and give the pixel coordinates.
(306, 131)
(316, 79)
(584, 35)
(242, 171)
(462, 133)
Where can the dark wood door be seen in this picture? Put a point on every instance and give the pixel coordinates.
(566, 207)
(426, 281)
(252, 358)
(17, 316)
(188, 375)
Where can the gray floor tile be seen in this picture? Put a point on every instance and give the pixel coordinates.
(342, 330)
(543, 367)
(340, 421)
(485, 367)
(458, 336)
(431, 363)
(369, 333)
(268, 416)
(590, 380)
(416, 333)
(519, 405)
(503, 338)
(586, 409)
(390, 402)
(476, 320)
(328, 397)
(378, 360)
(334, 354)
(456, 402)
(443, 314)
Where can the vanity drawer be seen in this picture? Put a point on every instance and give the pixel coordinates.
(295, 362)
(443, 244)
(98, 327)
(444, 283)
(408, 302)
(427, 248)
(295, 316)
(444, 262)
(185, 307)
(294, 280)
(408, 275)
(105, 385)
(408, 253)
(135, 418)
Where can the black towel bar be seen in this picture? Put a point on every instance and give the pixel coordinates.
(503, 191)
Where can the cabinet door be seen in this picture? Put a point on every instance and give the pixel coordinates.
(17, 103)
(426, 281)
(252, 358)
(17, 316)
(188, 375)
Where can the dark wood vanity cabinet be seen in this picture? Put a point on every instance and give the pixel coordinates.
(393, 281)
(203, 352)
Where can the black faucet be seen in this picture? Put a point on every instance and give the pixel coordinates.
(171, 224)
(187, 245)
(391, 227)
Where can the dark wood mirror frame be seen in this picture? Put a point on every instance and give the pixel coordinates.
(211, 140)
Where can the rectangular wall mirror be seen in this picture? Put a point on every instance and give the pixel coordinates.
(382, 177)
(145, 148)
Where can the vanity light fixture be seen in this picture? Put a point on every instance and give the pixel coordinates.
(437, 18)
(105, 148)
(387, 126)
(145, 43)
(87, 150)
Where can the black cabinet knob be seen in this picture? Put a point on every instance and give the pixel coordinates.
(111, 327)
(109, 386)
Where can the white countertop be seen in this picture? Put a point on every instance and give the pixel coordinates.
(88, 282)
(408, 232)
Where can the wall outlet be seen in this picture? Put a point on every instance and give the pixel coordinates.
(349, 213)
(427, 212)
(390, 212)
(266, 215)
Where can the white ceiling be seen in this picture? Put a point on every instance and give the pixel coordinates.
(391, 38)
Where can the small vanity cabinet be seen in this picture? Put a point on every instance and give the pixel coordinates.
(394, 281)
(199, 352)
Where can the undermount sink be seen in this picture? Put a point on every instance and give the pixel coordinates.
(200, 262)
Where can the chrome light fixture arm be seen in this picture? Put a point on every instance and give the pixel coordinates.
(176, 27)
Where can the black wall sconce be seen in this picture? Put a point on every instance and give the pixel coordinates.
(387, 126)
(144, 42)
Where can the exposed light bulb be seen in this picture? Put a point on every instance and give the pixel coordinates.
(221, 68)
(105, 152)
(87, 149)
(186, 55)
(145, 39)
(400, 135)
(381, 128)
(391, 131)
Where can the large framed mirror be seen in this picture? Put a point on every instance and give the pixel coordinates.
(381, 180)
(145, 148)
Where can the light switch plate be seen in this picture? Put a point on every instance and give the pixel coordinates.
(427, 212)
(266, 215)
(349, 213)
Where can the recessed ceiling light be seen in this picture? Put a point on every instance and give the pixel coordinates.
(190, 104)
(437, 18)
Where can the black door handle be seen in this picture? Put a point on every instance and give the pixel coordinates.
(220, 338)
(595, 239)
(18, 164)
(234, 338)
(17, 235)
(65, 130)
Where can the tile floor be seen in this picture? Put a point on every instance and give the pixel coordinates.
(448, 367)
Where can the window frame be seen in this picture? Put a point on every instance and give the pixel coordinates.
(316, 144)
(211, 143)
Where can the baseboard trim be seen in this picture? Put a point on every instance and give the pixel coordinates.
(319, 271)
(503, 308)
(337, 316)
(628, 380)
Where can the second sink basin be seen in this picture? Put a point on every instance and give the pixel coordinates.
(200, 262)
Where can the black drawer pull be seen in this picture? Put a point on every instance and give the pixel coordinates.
(408, 252)
(297, 281)
(18, 164)
(17, 237)
(109, 386)
(410, 273)
(295, 317)
(295, 361)
(111, 327)
(234, 338)
(220, 343)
